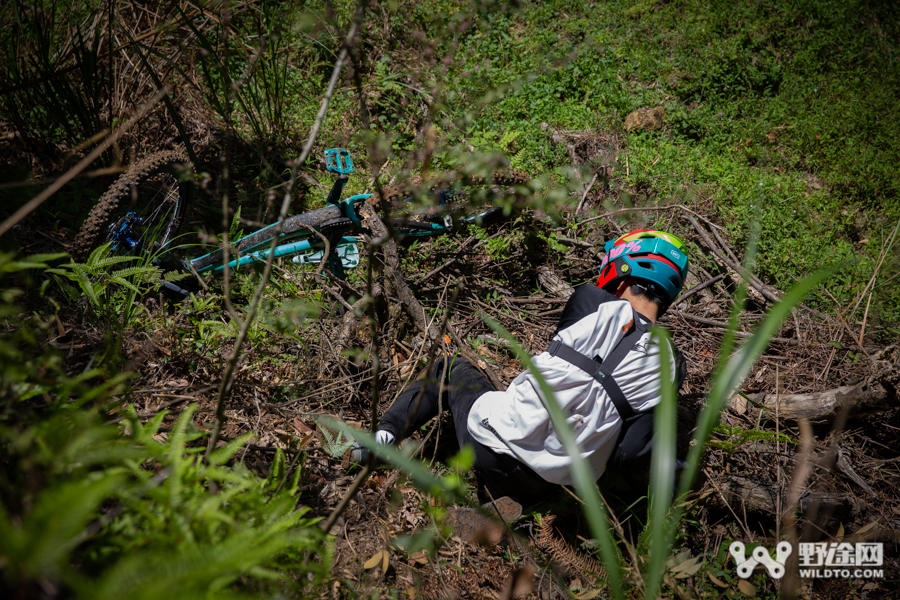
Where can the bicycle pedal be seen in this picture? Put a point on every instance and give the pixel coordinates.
(338, 160)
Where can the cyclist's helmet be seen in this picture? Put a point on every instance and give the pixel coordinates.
(655, 258)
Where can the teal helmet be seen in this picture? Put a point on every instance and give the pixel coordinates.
(656, 258)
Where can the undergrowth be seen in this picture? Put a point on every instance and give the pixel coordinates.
(780, 113)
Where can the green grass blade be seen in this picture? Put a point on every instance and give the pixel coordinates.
(662, 472)
(594, 506)
(730, 378)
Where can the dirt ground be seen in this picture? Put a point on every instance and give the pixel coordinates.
(283, 387)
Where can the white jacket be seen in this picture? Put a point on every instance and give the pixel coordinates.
(516, 422)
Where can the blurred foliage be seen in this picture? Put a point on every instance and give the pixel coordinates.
(99, 507)
(780, 113)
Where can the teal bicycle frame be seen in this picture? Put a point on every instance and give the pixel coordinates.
(297, 237)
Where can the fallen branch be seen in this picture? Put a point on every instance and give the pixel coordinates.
(698, 287)
(763, 496)
(394, 273)
(867, 396)
(722, 327)
(753, 282)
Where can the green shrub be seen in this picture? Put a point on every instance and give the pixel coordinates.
(99, 509)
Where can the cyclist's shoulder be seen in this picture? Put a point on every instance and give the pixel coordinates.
(588, 298)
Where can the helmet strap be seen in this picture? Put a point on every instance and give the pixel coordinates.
(626, 283)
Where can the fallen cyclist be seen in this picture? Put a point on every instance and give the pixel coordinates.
(602, 365)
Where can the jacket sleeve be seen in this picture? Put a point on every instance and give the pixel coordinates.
(582, 303)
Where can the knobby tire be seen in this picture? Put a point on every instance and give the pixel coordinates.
(147, 169)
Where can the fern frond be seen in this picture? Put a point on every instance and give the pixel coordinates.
(562, 553)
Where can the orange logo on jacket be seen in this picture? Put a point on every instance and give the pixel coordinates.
(625, 328)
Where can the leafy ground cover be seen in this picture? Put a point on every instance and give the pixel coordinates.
(778, 114)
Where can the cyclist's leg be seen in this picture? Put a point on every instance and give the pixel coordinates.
(419, 403)
(501, 474)
(415, 406)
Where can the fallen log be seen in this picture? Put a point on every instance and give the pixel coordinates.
(823, 407)
(875, 393)
(768, 497)
(553, 283)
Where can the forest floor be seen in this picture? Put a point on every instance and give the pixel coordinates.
(720, 123)
(287, 382)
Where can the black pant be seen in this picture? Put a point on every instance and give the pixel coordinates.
(501, 474)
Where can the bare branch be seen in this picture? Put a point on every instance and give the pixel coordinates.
(82, 165)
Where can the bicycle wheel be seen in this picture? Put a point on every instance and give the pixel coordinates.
(145, 209)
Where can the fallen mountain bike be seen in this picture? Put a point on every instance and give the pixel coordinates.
(147, 209)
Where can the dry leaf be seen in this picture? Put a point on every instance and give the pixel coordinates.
(419, 557)
(747, 588)
(385, 561)
(840, 532)
(706, 494)
(302, 427)
(374, 561)
(685, 565)
(669, 581)
(717, 581)
(588, 595)
(867, 527)
(681, 557)
(690, 571)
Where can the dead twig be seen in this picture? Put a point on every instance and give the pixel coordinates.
(231, 363)
(800, 475)
(82, 165)
(467, 354)
(585, 194)
(698, 287)
(621, 211)
(724, 327)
